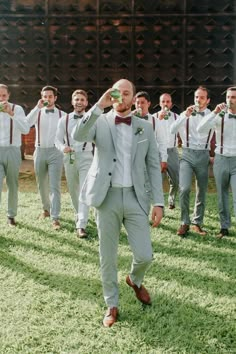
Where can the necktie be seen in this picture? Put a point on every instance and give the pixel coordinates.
(126, 120)
(49, 110)
(232, 115)
(201, 114)
(78, 117)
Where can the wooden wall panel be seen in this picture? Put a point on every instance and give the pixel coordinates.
(165, 45)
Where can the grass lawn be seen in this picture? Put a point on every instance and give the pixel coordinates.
(51, 297)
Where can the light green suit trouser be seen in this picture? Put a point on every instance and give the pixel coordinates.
(48, 164)
(225, 177)
(121, 207)
(10, 160)
(75, 175)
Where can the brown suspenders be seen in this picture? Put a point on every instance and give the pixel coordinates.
(222, 135)
(153, 123)
(67, 134)
(175, 134)
(11, 127)
(38, 123)
(187, 133)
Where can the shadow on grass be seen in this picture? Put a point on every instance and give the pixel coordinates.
(77, 287)
(178, 327)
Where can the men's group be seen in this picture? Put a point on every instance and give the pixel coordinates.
(122, 175)
(56, 145)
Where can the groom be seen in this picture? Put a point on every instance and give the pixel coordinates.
(126, 152)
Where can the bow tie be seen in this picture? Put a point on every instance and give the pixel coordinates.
(78, 117)
(49, 110)
(126, 120)
(232, 115)
(201, 114)
(145, 117)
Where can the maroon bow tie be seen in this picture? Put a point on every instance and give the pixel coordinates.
(126, 120)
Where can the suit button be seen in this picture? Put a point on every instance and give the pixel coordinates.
(114, 160)
(109, 173)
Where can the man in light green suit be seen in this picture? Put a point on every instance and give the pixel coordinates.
(126, 152)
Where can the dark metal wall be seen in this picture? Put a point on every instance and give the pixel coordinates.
(162, 46)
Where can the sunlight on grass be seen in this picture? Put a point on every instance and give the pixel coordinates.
(51, 295)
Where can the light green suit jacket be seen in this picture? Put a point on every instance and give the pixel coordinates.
(101, 130)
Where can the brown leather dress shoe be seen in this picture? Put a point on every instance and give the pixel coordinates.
(81, 233)
(11, 222)
(171, 206)
(183, 230)
(45, 214)
(56, 225)
(222, 233)
(110, 317)
(141, 293)
(197, 228)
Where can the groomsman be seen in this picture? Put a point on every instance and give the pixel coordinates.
(142, 104)
(78, 157)
(194, 160)
(223, 121)
(48, 160)
(115, 186)
(165, 118)
(12, 125)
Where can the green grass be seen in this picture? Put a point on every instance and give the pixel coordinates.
(51, 297)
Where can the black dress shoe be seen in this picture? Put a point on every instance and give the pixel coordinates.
(222, 233)
(11, 222)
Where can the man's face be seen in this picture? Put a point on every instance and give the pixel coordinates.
(126, 89)
(165, 101)
(48, 96)
(231, 99)
(79, 102)
(200, 98)
(143, 103)
(4, 94)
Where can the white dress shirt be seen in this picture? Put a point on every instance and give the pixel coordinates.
(160, 135)
(196, 140)
(163, 126)
(20, 126)
(61, 136)
(214, 121)
(121, 176)
(48, 125)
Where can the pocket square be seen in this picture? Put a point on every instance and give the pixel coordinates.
(142, 141)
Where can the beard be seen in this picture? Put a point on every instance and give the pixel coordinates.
(122, 107)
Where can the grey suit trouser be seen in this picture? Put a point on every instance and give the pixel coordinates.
(10, 160)
(225, 176)
(173, 174)
(121, 207)
(48, 164)
(193, 162)
(75, 175)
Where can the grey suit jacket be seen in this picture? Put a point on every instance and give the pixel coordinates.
(101, 130)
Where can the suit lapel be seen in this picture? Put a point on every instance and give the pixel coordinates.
(135, 137)
(110, 121)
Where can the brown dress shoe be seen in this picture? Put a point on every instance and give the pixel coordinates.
(45, 214)
(222, 233)
(81, 233)
(197, 228)
(141, 293)
(183, 230)
(56, 225)
(171, 206)
(110, 317)
(11, 222)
